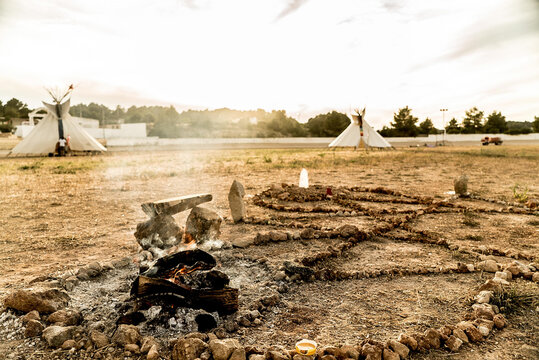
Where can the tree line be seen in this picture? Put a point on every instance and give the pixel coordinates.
(167, 122)
(473, 122)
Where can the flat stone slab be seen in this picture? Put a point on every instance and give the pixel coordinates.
(174, 205)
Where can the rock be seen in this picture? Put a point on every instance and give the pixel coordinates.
(445, 331)
(238, 354)
(99, 339)
(347, 231)
(483, 311)
(235, 201)
(348, 352)
(471, 267)
(488, 266)
(259, 357)
(295, 357)
(46, 302)
(408, 341)
(499, 321)
(223, 349)
(57, 335)
(473, 334)
(390, 355)
(33, 328)
(491, 285)
(69, 344)
(483, 297)
(71, 282)
(271, 300)
(132, 348)
(486, 323)
(483, 330)
(423, 344)
(325, 357)
(535, 277)
(278, 236)
(303, 271)
(159, 227)
(32, 315)
(123, 262)
(371, 352)
(307, 233)
(65, 317)
(203, 225)
(432, 336)
(461, 335)
(399, 348)
(461, 185)
(275, 353)
(243, 242)
(453, 343)
(188, 349)
(153, 353)
(147, 343)
(126, 334)
(505, 275)
(500, 281)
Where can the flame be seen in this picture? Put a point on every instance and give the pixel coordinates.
(176, 274)
(188, 243)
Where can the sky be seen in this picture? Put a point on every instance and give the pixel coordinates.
(303, 56)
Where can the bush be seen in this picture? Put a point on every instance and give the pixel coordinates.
(6, 128)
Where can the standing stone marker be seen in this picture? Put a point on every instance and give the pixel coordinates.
(461, 186)
(235, 201)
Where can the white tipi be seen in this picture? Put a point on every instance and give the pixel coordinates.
(43, 138)
(360, 133)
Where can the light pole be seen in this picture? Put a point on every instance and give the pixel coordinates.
(443, 119)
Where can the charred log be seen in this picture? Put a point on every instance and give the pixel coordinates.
(224, 301)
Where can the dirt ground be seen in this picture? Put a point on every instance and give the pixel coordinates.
(61, 213)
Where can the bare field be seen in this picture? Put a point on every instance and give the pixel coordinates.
(60, 213)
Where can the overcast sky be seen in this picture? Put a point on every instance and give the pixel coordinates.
(304, 56)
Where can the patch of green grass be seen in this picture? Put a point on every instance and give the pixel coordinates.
(33, 166)
(70, 167)
(520, 194)
(267, 159)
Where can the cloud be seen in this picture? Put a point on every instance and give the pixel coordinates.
(293, 5)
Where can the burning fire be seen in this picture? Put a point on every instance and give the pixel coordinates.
(188, 243)
(175, 275)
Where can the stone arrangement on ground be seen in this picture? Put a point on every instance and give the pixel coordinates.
(298, 244)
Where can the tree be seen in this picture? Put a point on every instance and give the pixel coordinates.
(535, 124)
(404, 122)
(453, 127)
(426, 127)
(473, 121)
(328, 125)
(15, 109)
(277, 124)
(495, 123)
